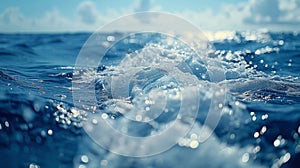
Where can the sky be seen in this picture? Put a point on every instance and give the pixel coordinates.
(88, 15)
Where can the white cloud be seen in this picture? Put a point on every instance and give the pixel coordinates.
(13, 20)
(276, 15)
(88, 12)
(290, 11)
(263, 11)
(12, 16)
(274, 12)
(143, 5)
(53, 18)
(228, 17)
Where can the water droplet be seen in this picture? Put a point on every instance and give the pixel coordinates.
(33, 165)
(193, 136)
(295, 136)
(280, 42)
(256, 135)
(264, 117)
(43, 133)
(36, 106)
(84, 159)
(256, 149)
(245, 157)
(6, 123)
(105, 43)
(181, 142)
(75, 112)
(276, 143)
(104, 116)
(94, 121)
(232, 136)
(50, 132)
(220, 105)
(138, 118)
(263, 130)
(261, 61)
(147, 102)
(194, 144)
(257, 52)
(104, 162)
(229, 56)
(286, 157)
(297, 148)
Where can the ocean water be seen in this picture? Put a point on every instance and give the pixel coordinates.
(42, 125)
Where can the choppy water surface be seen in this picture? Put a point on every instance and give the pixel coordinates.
(259, 124)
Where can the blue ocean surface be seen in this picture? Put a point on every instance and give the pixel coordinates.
(259, 126)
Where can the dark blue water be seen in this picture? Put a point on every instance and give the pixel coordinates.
(259, 127)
